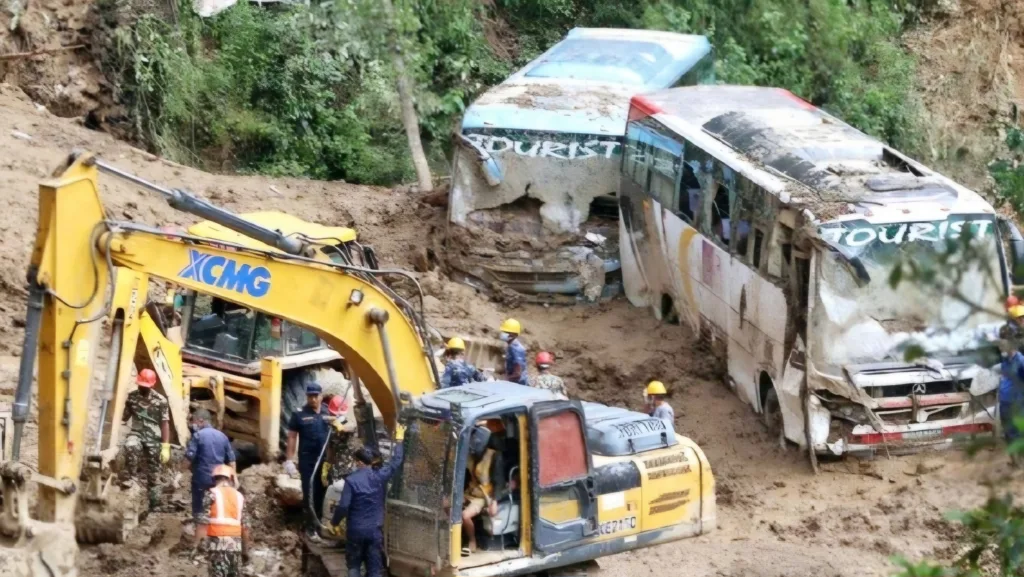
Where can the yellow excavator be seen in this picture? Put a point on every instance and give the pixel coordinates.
(581, 480)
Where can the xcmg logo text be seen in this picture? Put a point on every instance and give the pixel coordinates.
(223, 272)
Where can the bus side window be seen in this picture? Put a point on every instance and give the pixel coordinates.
(758, 243)
(689, 195)
(742, 235)
(720, 215)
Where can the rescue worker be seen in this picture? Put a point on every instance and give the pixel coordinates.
(362, 503)
(222, 528)
(338, 461)
(657, 406)
(307, 432)
(207, 449)
(515, 352)
(1011, 382)
(479, 493)
(458, 372)
(147, 446)
(544, 378)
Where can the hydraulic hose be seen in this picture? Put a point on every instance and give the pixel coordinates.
(29, 351)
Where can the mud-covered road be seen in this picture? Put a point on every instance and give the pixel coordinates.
(775, 517)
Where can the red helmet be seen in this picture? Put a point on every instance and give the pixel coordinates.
(337, 405)
(1012, 301)
(545, 358)
(146, 378)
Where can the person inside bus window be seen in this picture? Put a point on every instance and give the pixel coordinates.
(720, 215)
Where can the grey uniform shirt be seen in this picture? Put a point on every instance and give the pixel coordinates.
(664, 412)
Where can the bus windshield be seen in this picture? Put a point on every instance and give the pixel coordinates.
(859, 316)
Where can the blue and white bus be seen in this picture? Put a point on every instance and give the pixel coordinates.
(532, 204)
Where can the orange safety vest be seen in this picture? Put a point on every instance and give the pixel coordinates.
(225, 513)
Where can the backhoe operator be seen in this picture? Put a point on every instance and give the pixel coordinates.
(147, 446)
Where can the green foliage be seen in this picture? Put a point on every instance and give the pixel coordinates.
(1008, 172)
(309, 89)
(305, 91)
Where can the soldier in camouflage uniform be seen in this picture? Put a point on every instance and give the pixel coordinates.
(458, 372)
(147, 446)
(544, 379)
(222, 530)
(342, 444)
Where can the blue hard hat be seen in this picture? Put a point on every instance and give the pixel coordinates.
(314, 389)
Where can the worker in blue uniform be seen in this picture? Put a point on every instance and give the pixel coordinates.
(307, 432)
(362, 502)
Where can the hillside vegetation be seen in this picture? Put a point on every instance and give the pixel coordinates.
(309, 90)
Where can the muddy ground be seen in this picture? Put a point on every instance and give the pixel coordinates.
(775, 518)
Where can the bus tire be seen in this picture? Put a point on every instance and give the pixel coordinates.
(771, 415)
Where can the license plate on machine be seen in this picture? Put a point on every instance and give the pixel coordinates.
(921, 435)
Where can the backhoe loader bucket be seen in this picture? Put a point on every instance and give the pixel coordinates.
(31, 548)
(106, 514)
(487, 355)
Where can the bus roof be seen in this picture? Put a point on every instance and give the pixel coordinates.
(801, 153)
(582, 84)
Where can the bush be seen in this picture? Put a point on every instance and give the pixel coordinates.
(309, 90)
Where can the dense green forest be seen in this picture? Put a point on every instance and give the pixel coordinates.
(309, 90)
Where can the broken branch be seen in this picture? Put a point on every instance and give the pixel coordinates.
(40, 52)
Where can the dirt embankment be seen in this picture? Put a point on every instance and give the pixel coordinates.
(970, 80)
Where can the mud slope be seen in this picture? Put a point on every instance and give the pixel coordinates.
(33, 142)
(775, 519)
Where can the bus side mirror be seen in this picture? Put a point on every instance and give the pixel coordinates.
(1015, 241)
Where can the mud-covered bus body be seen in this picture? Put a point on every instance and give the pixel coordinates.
(535, 166)
(772, 228)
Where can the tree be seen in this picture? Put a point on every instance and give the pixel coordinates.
(405, 97)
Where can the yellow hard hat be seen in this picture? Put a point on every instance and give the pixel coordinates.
(1017, 311)
(656, 388)
(455, 344)
(511, 326)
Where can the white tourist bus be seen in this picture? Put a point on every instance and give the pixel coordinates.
(772, 227)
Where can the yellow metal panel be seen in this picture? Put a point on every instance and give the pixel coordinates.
(285, 223)
(557, 509)
(69, 212)
(164, 357)
(671, 480)
(131, 290)
(270, 406)
(618, 514)
(314, 296)
(525, 510)
(455, 545)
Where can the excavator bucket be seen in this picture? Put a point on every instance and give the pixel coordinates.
(106, 513)
(487, 355)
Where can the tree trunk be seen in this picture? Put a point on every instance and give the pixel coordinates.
(409, 119)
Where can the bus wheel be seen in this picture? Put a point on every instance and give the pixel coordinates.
(772, 415)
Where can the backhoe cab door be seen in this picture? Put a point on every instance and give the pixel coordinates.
(562, 477)
(419, 504)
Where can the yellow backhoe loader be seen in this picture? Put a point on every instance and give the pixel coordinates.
(583, 480)
(228, 358)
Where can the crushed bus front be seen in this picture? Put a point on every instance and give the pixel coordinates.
(898, 408)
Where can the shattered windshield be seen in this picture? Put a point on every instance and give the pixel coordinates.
(859, 316)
